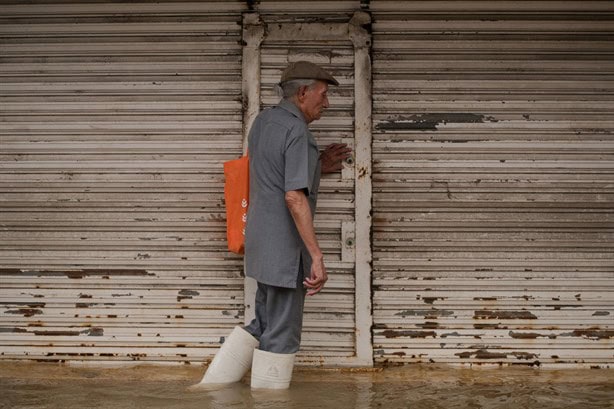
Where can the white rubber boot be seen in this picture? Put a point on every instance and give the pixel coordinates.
(271, 371)
(233, 359)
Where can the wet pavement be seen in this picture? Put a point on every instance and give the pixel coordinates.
(51, 385)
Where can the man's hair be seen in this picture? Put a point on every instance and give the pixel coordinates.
(289, 89)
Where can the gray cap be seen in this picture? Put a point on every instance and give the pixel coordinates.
(306, 70)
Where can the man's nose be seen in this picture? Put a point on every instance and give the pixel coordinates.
(325, 105)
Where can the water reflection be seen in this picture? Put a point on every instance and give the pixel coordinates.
(55, 386)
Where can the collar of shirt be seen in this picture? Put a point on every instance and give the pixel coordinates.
(293, 109)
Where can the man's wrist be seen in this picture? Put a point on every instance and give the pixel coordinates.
(317, 256)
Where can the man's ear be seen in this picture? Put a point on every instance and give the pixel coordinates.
(302, 91)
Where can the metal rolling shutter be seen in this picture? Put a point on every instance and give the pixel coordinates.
(116, 118)
(493, 182)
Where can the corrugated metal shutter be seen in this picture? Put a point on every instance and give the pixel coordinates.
(493, 182)
(116, 118)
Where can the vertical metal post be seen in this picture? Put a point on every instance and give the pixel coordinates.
(253, 34)
(361, 38)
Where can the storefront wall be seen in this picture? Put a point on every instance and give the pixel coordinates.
(475, 223)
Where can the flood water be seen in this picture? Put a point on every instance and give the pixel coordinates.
(46, 385)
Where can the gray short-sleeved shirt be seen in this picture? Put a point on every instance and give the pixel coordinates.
(283, 156)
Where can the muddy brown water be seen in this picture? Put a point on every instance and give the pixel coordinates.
(46, 385)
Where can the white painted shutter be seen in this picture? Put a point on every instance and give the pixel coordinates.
(116, 118)
(493, 173)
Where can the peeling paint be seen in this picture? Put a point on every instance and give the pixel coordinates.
(429, 325)
(26, 312)
(425, 313)
(530, 335)
(485, 354)
(594, 333)
(456, 334)
(504, 315)
(409, 333)
(189, 292)
(186, 295)
(431, 300)
(74, 274)
(14, 330)
(601, 313)
(430, 121)
(488, 326)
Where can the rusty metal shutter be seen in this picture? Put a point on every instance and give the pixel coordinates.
(493, 182)
(116, 118)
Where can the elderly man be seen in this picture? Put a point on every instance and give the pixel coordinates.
(281, 248)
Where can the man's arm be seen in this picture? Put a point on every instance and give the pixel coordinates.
(301, 213)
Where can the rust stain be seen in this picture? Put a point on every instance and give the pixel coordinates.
(189, 292)
(488, 326)
(601, 313)
(524, 355)
(408, 333)
(486, 354)
(430, 121)
(594, 333)
(57, 333)
(425, 313)
(25, 304)
(431, 300)
(93, 332)
(75, 274)
(504, 315)
(456, 334)
(15, 329)
(530, 335)
(186, 295)
(429, 325)
(26, 312)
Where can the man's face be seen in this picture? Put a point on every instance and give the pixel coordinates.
(314, 100)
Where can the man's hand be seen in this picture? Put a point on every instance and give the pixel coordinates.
(318, 278)
(333, 156)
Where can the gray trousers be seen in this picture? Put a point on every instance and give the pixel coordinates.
(279, 317)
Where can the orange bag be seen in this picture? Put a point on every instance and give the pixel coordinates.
(236, 194)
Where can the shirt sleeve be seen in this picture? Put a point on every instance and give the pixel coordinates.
(296, 172)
